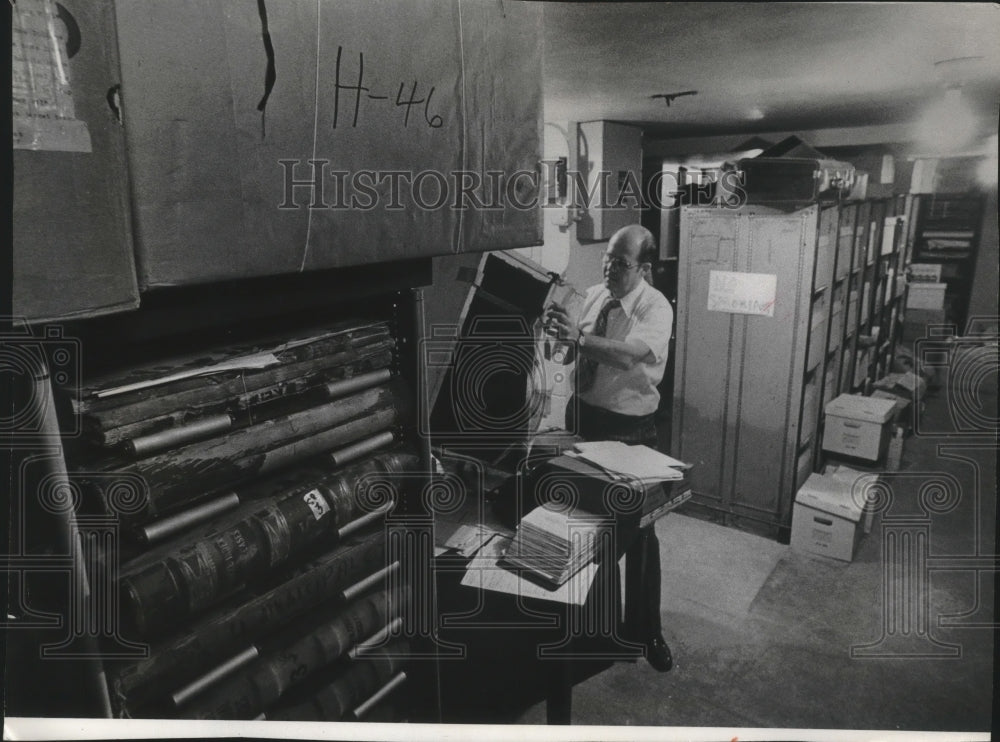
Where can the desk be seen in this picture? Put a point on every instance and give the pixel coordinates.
(520, 650)
(506, 668)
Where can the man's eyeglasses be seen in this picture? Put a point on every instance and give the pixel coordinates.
(618, 263)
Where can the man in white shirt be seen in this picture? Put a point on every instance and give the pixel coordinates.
(622, 338)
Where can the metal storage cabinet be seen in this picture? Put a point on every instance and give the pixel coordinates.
(739, 381)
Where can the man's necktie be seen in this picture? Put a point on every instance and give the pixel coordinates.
(586, 368)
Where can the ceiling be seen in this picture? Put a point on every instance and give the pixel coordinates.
(766, 67)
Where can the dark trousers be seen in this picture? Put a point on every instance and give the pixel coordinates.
(642, 559)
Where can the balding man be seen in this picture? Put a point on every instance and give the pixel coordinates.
(622, 337)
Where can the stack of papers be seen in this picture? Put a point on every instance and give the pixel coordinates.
(632, 462)
(466, 539)
(553, 545)
(486, 573)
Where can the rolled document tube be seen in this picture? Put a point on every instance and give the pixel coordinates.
(384, 691)
(161, 529)
(147, 445)
(355, 451)
(195, 687)
(351, 592)
(357, 383)
(363, 522)
(375, 639)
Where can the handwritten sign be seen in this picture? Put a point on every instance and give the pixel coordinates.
(742, 293)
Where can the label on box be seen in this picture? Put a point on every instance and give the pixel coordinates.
(821, 537)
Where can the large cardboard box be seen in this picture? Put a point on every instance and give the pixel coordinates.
(826, 519)
(72, 245)
(857, 426)
(298, 136)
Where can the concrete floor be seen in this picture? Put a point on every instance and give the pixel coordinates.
(762, 635)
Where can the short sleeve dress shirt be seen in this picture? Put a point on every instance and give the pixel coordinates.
(645, 315)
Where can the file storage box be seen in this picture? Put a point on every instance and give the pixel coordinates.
(854, 481)
(925, 295)
(826, 519)
(857, 426)
(917, 321)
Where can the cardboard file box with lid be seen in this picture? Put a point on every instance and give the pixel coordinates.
(826, 519)
(916, 322)
(855, 490)
(925, 295)
(856, 426)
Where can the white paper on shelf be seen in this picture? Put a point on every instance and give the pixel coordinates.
(250, 362)
(636, 462)
(484, 573)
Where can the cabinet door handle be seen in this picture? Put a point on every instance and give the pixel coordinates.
(852, 425)
(823, 521)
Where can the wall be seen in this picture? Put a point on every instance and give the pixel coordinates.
(563, 253)
(553, 253)
(562, 250)
(986, 282)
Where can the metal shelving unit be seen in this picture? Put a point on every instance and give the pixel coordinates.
(747, 383)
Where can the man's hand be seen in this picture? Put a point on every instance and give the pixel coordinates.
(621, 354)
(558, 323)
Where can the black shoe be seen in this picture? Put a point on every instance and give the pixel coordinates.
(658, 654)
